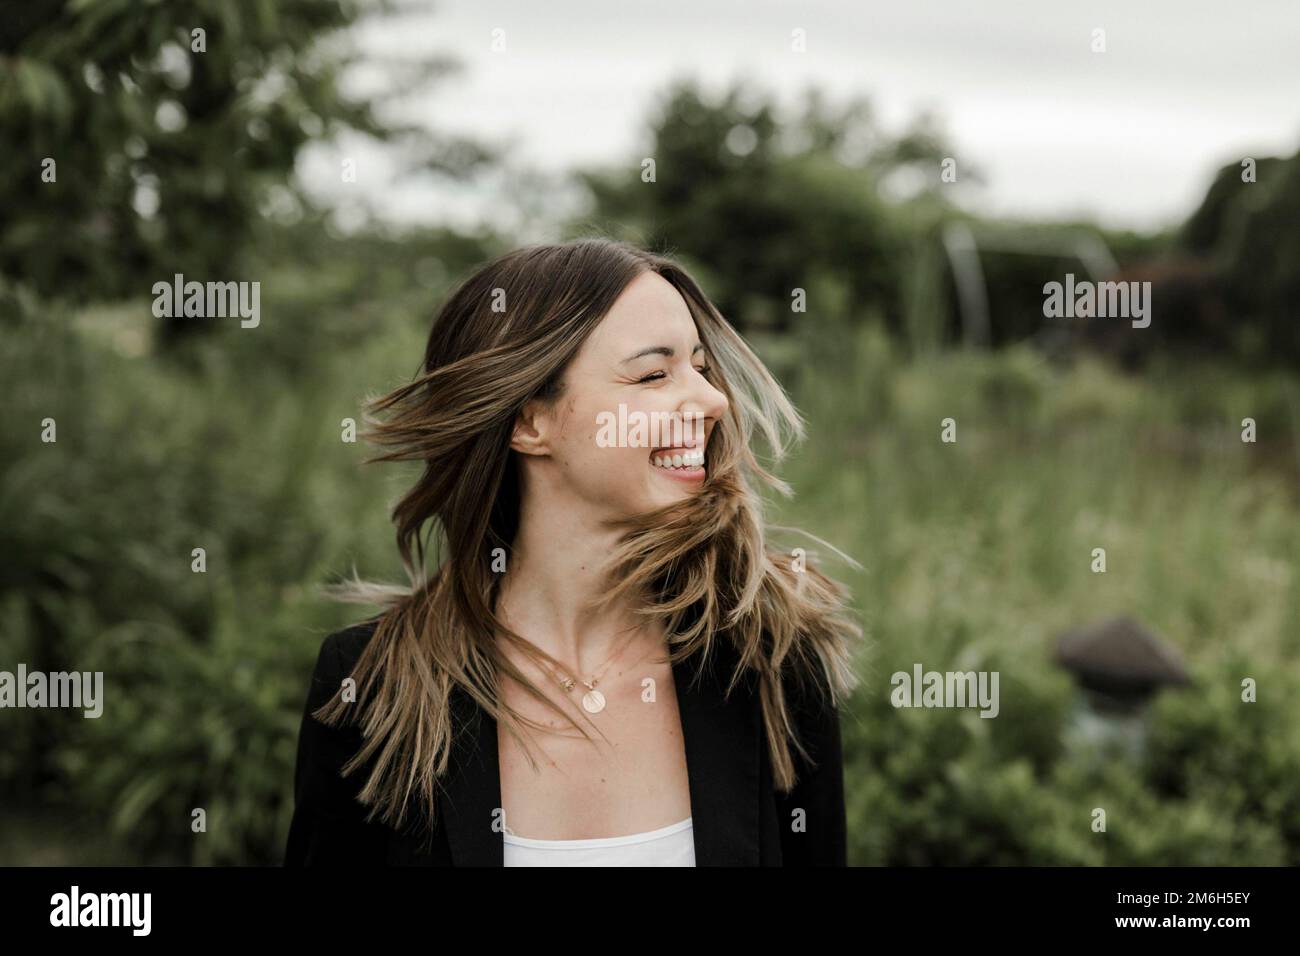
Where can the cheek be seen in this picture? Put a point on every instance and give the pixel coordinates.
(617, 474)
(620, 476)
(588, 462)
(621, 464)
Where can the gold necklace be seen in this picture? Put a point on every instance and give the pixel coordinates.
(593, 701)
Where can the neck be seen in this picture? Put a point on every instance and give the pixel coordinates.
(556, 574)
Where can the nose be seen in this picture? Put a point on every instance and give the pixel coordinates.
(703, 405)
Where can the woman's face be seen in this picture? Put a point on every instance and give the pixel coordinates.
(645, 356)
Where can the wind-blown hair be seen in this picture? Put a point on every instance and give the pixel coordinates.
(702, 567)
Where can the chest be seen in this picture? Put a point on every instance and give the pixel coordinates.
(630, 777)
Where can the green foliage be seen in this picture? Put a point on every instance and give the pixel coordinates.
(204, 672)
(807, 194)
(976, 556)
(1251, 232)
(168, 149)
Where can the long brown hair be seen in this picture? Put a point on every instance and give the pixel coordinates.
(703, 568)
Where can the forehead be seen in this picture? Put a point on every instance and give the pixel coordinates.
(650, 311)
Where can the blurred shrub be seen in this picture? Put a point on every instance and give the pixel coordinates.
(976, 556)
(205, 674)
(1251, 232)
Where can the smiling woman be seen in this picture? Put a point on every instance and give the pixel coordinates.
(678, 677)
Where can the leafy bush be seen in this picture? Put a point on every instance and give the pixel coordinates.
(976, 555)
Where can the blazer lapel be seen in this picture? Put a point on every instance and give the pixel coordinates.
(721, 739)
(470, 802)
(722, 762)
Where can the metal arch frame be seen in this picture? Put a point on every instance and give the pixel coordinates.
(963, 250)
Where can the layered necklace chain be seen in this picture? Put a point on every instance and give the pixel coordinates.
(593, 701)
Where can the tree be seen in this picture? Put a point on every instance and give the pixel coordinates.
(766, 205)
(1250, 228)
(142, 139)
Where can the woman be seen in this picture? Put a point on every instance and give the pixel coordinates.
(606, 599)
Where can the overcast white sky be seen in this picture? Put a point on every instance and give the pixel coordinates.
(1131, 136)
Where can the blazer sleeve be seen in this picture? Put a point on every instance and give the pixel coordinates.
(328, 825)
(818, 789)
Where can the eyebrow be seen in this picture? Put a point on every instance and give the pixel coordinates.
(667, 351)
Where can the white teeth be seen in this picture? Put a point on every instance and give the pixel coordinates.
(691, 459)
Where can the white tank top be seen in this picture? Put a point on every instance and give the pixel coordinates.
(673, 845)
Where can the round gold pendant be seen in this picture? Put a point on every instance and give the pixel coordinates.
(593, 702)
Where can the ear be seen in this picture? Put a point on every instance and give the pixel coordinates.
(532, 426)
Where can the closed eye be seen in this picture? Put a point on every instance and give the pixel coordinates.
(654, 376)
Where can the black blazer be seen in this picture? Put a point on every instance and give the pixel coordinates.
(739, 819)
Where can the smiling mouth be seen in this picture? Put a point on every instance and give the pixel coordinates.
(683, 464)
